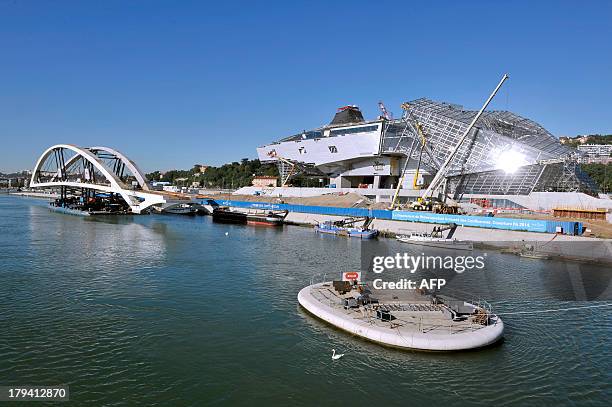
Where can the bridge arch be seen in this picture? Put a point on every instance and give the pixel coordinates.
(79, 152)
(131, 165)
(137, 200)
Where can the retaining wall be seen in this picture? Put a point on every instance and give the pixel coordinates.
(528, 225)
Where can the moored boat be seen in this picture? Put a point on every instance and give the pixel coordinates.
(182, 209)
(266, 219)
(436, 238)
(227, 215)
(335, 228)
(425, 239)
(537, 256)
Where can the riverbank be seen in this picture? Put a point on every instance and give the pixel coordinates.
(557, 246)
(32, 194)
(592, 228)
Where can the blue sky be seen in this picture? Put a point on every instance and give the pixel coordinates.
(173, 83)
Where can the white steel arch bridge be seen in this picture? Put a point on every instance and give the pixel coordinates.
(103, 169)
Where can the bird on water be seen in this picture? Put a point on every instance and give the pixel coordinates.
(336, 357)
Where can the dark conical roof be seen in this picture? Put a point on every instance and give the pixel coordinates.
(348, 114)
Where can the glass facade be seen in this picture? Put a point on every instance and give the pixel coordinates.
(503, 154)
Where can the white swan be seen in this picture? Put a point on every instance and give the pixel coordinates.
(336, 357)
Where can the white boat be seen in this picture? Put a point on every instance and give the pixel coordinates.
(537, 256)
(425, 239)
(437, 239)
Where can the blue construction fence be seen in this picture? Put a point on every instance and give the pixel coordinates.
(490, 222)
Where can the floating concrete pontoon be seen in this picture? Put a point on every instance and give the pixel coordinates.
(404, 318)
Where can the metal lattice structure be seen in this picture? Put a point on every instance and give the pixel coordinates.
(288, 169)
(539, 161)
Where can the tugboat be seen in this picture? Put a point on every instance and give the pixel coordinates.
(342, 228)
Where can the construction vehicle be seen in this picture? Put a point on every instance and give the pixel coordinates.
(443, 207)
(434, 205)
(421, 204)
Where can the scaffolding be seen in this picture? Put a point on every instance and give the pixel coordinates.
(546, 165)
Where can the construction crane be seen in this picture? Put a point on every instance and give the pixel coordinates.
(436, 182)
(419, 129)
(400, 181)
(408, 116)
(288, 168)
(385, 113)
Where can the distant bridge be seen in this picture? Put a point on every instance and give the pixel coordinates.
(101, 169)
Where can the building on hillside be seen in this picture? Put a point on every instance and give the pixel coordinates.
(596, 150)
(264, 181)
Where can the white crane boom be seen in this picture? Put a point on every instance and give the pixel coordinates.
(385, 113)
(442, 171)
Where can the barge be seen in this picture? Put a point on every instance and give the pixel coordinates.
(340, 228)
(100, 204)
(407, 319)
(227, 215)
(181, 209)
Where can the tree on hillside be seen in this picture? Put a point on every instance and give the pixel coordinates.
(232, 175)
(601, 174)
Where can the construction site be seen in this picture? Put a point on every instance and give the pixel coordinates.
(439, 158)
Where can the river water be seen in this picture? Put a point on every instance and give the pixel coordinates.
(163, 310)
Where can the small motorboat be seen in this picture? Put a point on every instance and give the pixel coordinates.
(436, 238)
(426, 239)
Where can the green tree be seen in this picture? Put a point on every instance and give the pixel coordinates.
(601, 174)
(232, 175)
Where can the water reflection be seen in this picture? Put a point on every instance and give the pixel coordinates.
(170, 311)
